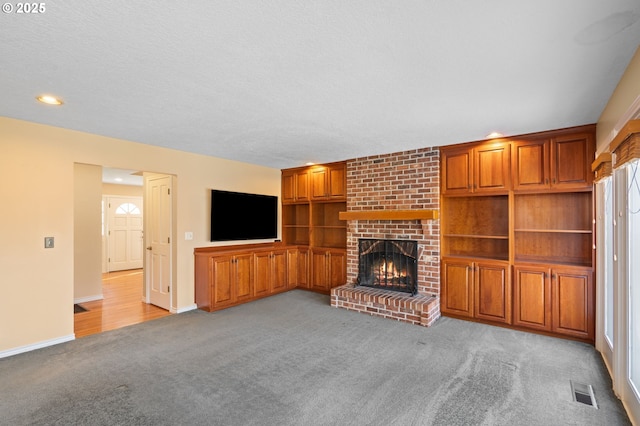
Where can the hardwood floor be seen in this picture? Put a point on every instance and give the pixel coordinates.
(122, 305)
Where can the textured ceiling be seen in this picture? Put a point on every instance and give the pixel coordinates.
(281, 83)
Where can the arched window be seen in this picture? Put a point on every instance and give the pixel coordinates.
(127, 208)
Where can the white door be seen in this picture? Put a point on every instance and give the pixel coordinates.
(124, 233)
(158, 230)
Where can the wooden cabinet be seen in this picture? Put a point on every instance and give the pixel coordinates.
(572, 302)
(233, 278)
(476, 289)
(231, 275)
(298, 268)
(476, 169)
(295, 185)
(532, 297)
(328, 182)
(271, 272)
(559, 299)
(492, 291)
(561, 162)
(315, 224)
(456, 294)
(542, 228)
(328, 269)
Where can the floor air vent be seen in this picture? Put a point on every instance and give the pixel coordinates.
(583, 394)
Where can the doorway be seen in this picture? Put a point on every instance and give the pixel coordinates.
(93, 277)
(124, 232)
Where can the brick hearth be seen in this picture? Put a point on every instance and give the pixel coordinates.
(419, 309)
(400, 181)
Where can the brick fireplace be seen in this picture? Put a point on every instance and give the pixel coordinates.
(400, 182)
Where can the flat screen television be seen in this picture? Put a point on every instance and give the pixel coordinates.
(242, 216)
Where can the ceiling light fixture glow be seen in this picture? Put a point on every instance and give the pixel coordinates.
(494, 135)
(49, 100)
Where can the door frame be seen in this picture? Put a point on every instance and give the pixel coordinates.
(602, 343)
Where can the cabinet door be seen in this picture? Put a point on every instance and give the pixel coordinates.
(571, 158)
(492, 290)
(456, 171)
(530, 165)
(573, 306)
(261, 284)
(319, 270)
(302, 185)
(295, 186)
(288, 186)
(491, 168)
(337, 268)
(243, 276)
(457, 287)
(337, 185)
(223, 292)
(532, 297)
(303, 268)
(292, 268)
(318, 183)
(278, 281)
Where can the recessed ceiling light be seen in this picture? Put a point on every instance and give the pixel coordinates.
(49, 100)
(118, 179)
(494, 135)
(311, 164)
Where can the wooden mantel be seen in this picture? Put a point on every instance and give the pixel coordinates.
(389, 215)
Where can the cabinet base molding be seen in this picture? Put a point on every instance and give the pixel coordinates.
(421, 309)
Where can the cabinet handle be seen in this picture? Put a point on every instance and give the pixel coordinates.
(546, 181)
(554, 181)
(555, 276)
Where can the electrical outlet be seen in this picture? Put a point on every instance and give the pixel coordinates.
(48, 242)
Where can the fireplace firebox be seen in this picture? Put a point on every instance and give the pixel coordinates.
(388, 264)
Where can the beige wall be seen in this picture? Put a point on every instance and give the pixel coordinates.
(37, 168)
(122, 190)
(625, 94)
(87, 234)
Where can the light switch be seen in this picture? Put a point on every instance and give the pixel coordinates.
(188, 235)
(48, 242)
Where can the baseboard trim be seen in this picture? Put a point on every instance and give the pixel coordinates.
(185, 309)
(89, 298)
(38, 345)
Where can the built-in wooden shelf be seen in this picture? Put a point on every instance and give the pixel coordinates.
(491, 237)
(389, 215)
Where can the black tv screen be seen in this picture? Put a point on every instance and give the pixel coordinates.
(241, 216)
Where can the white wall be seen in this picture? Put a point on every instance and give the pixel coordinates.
(37, 170)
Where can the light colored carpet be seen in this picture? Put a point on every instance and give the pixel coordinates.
(292, 359)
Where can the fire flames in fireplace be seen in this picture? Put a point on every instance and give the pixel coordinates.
(388, 264)
(388, 272)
